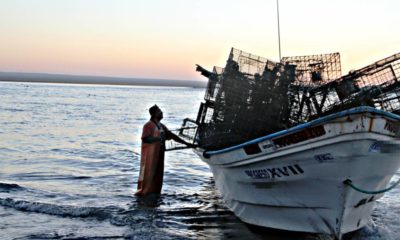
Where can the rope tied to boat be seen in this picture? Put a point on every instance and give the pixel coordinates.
(348, 182)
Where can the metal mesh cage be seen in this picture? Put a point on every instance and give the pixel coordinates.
(376, 85)
(315, 70)
(187, 131)
(249, 64)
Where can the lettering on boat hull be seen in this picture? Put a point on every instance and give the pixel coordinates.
(272, 173)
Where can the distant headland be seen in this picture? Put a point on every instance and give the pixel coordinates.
(82, 79)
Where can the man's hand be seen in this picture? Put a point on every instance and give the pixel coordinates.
(191, 145)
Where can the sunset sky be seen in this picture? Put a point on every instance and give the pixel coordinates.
(165, 39)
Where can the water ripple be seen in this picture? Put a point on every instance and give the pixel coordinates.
(46, 176)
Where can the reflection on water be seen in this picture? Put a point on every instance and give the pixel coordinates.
(69, 161)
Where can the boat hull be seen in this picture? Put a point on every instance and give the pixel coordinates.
(300, 187)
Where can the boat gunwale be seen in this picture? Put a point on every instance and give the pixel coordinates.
(278, 154)
(356, 110)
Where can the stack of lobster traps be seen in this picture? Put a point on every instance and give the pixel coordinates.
(254, 96)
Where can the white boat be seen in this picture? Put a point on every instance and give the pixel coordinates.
(295, 145)
(294, 179)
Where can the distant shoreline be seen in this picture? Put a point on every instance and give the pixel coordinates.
(100, 80)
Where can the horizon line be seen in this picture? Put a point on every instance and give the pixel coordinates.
(95, 79)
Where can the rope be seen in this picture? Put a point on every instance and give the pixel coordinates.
(349, 183)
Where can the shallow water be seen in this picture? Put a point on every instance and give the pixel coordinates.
(69, 160)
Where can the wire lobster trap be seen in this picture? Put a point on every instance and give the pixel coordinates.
(312, 72)
(376, 85)
(187, 131)
(315, 70)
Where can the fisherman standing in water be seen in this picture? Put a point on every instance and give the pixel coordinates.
(152, 155)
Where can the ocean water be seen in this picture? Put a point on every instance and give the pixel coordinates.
(69, 161)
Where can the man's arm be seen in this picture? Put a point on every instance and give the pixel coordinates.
(151, 139)
(176, 138)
